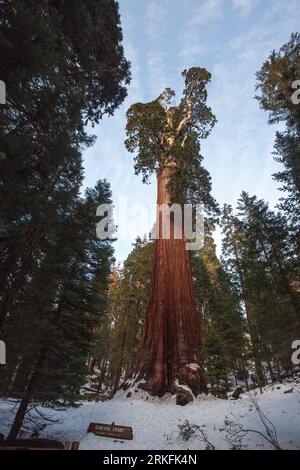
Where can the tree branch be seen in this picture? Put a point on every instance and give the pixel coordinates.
(186, 119)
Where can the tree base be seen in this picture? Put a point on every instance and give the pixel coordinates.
(193, 376)
(190, 382)
(183, 397)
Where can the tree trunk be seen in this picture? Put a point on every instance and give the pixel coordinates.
(28, 395)
(119, 369)
(171, 353)
(101, 377)
(270, 369)
(255, 348)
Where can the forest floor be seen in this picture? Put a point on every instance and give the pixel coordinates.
(220, 424)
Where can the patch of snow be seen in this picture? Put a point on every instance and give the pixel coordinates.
(155, 421)
(193, 366)
(184, 387)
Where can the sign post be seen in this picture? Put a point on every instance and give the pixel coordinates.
(111, 430)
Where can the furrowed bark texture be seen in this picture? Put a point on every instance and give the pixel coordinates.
(171, 353)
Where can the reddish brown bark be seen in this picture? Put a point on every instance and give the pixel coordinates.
(171, 350)
(118, 372)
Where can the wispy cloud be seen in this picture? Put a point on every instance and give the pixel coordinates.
(156, 13)
(244, 7)
(156, 72)
(199, 18)
(241, 144)
(206, 12)
(177, 34)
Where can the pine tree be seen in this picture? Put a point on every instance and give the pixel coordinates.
(268, 241)
(257, 252)
(237, 262)
(55, 364)
(64, 67)
(125, 316)
(222, 319)
(275, 82)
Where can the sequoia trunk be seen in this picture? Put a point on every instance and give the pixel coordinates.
(171, 354)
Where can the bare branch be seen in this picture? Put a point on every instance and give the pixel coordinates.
(236, 432)
(186, 119)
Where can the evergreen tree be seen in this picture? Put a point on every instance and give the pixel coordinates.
(128, 298)
(63, 67)
(222, 319)
(275, 82)
(167, 140)
(235, 255)
(257, 253)
(54, 364)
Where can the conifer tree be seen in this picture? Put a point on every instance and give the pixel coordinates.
(222, 319)
(125, 315)
(258, 255)
(234, 250)
(64, 68)
(279, 95)
(167, 141)
(55, 361)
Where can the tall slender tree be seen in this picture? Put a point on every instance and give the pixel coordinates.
(222, 319)
(234, 248)
(64, 67)
(65, 318)
(258, 255)
(278, 93)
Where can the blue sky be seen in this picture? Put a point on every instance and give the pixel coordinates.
(231, 38)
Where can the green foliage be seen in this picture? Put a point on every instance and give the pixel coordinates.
(64, 68)
(124, 321)
(194, 97)
(222, 320)
(61, 307)
(52, 53)
(275, 84)
(145, 130)
(163, 135)
(258, 257)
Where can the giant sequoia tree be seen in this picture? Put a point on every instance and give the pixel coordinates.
(167, 141)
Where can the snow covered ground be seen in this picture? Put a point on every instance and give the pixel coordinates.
(155, 421)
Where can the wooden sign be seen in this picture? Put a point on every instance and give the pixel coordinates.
(111, 430)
